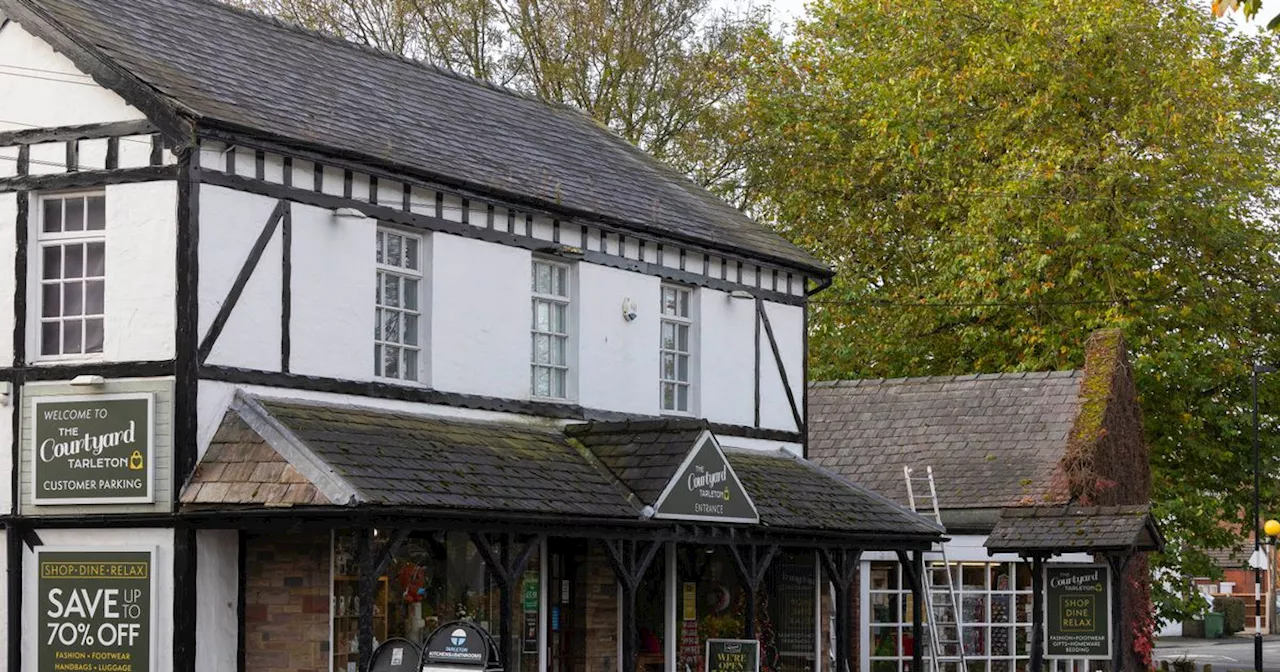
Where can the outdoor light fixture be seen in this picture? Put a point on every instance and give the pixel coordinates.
(4, 393)
(629, 310)
(349, 213)
(741, 294)
(88, 380)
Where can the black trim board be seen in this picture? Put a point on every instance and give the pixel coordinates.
(88, 178)
(439, 224)
(110, 370)
(113, 129)
(376, 390)
(13, 578)
(185, 406)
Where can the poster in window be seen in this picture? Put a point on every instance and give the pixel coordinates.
(795, 615)
(94, 609)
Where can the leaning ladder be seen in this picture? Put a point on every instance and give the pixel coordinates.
(944, 632)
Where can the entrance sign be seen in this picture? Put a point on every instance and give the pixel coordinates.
(94, 449)
(458, 643)
(1078, 611)
(705, 488)
(733, 655)
(95, 610)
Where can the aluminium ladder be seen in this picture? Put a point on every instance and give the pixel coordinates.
(943, 610)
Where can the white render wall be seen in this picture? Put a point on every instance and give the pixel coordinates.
(727, 363)
(8, 219)
(6, 452)
(217, 599)
(788, 329)
(619, 370)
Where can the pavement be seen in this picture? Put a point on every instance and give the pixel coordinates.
(1225, 655)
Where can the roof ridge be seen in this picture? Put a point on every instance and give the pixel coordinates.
(338, 40)
(345, 405)
(915, 380)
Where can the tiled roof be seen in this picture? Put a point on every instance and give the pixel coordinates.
(643, 454)
(243, 71)
(1073, 528)
(789, 492)
(240, 468)
(993, 440)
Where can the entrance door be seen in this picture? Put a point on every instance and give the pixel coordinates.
(566, 583)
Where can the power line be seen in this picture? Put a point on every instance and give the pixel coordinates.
(49, 79)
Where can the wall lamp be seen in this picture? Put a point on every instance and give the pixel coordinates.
(88, 380)
(349, 213)
(5, 387)
(741, 294)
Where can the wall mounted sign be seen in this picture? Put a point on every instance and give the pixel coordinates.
(94, 449)
(705, 488)
(733, 655)
(1078, 611)
(95, 610)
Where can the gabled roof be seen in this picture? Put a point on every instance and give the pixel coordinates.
(243, 72)
(1070, 529)
(993, 440)
(643, 454)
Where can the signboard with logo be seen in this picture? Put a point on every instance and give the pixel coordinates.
(733, 655)
(94, 449)
(705, 488)
(458, 643)
(1077, 611)
(95, 609)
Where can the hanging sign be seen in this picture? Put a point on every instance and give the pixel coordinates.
(1078, 611)
(94, 449)
(705, 488)
(94, 610)
(733, 655)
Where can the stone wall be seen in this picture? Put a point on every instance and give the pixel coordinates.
(286, 603)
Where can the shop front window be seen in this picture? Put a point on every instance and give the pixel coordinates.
(431, 578)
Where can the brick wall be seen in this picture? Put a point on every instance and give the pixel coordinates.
(287, 603)
(601, 611)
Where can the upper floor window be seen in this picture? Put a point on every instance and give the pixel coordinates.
(675, 381)
(550, 358)
(73, 271)
(397, 315)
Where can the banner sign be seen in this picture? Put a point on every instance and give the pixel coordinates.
(1078, 611)
(705, 488)
(94, 449)
(95, 610)
(733, 655)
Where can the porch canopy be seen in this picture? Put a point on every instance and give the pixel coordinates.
(632, 485)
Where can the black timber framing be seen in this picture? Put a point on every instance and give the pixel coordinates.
(389, 171)
(841, 565)
(752, 561)
(913, 570)
(186, 385)
(242, 279)
(438, 223)
(782, 367)
(507, 567)
(39, 136)
(13, 578)
(630, 559)
(379, 390)
(139, 369)
(88, 178)
(286, 288)
(184, 598)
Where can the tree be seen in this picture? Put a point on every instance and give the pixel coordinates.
(663, 74)
(994, 179)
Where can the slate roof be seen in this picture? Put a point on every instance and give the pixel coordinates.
(244, 72)
(240, 468)
(789, 492)
(643, 454)
(993, 440)
(1074, 529)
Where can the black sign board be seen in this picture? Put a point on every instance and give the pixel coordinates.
(459, 643)
(94, 610)
(733, 655)
(705, 488)
(1077, 611)
(94, 449)
(395, 655)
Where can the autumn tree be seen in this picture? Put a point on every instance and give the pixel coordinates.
(664, 74)
(994, 179)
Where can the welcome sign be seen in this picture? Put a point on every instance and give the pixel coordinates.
(706, 488)
(1078, 606)
(93, 449)
(94, 610)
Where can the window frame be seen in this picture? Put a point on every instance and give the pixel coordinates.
(419, 274)
(566, 300)
(690, 322)
(38, 241)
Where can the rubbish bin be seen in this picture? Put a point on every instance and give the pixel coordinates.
(1214, 623)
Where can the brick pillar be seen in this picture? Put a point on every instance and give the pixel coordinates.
(601, 594)
(286, 603)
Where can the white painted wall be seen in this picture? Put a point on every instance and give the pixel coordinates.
(788, 329)
(142, 243)
(230, 223)
(480, 317)
(760, 444)
(212, 399)
(6, 452)
(728, 358)
(105, 539)
(618, 359)
(333, 291)
(29, 97)
(8, 219)
(217, 599)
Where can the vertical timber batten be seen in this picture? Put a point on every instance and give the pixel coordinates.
(186, 371)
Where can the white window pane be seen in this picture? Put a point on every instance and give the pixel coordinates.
(97, 215)
(541, 381)
(410, 364)
(410, 294)
(50, 338)
(411, 253)
(96, 261)
(52, 262)
(72, 300)
(377, 324)
(668, 336)
(682, 338)
(541, 349)
(561, 282)
(542, 278)
(52, 216)
(682, 368)
(72, 330)
(73, 215)
(377, 360)
(558, 351)
(391, 291)
(559, 319)
(51, 300)
(73, 267)
(391, 362)
(377, 290)
(93, 335)
(668, 366)
(683, 303)
(93, 297)
(411, 329)
(395, 253)
(391, 326)
(682, 399)
(541, 316)
(559, 384)
(381, 244)
(668, 301)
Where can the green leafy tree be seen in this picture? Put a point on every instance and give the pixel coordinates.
(994, 179)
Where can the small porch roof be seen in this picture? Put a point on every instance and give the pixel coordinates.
(1050, 530)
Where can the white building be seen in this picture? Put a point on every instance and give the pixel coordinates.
(298, 346)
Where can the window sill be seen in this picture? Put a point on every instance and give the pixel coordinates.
(64, 360)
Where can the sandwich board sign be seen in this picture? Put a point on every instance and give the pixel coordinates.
(1077, 611)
